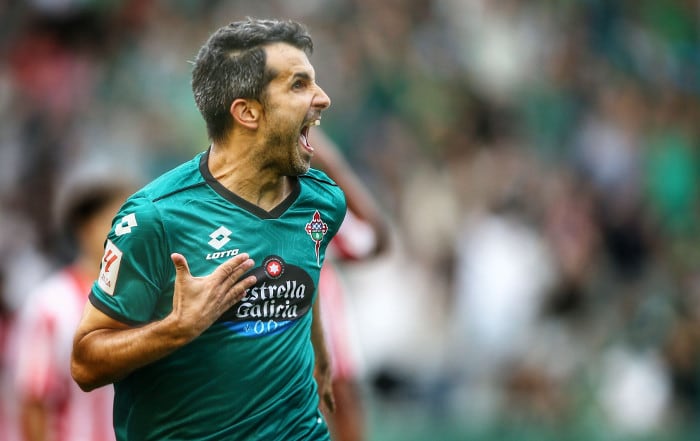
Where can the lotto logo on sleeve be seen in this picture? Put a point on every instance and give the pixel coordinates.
(126, 224)
(109, 269)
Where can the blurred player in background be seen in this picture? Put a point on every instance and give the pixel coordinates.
(364, 234)
(7, 396)
(51, 406)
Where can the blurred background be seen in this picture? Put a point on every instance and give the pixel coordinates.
(537, 159)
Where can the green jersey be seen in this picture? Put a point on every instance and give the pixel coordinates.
(250, 375)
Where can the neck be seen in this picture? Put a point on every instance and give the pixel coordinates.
(239, 169)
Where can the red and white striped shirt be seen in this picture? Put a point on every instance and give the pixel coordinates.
(354, 241)
(44, 340)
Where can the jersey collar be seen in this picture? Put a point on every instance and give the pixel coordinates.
(242, 203)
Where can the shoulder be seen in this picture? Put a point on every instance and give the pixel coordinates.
(320, 183)
(144, 208)
(180, 179)
(320, 190)
(318, 177)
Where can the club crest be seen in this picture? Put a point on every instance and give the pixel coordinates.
(316, 230)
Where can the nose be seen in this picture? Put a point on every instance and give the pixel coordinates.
(321, 99)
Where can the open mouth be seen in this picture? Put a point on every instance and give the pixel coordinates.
(304, 135)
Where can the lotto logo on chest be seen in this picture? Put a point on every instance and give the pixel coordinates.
(220, 237)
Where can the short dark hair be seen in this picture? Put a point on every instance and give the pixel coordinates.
(231, 65)
(79, 201)
(83, 193)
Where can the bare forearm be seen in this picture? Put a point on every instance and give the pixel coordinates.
(104, 356)
(360, 200)
(106, 350)
(323, 363)
(33, 418)
(318, 339)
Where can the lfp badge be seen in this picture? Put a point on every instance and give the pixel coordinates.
(317, 229)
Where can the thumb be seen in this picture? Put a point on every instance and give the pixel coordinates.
(182, 269)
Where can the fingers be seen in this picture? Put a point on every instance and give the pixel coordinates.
(225, 278)
(238, 290)
(230, 271)
(229, 274)
(182, 269)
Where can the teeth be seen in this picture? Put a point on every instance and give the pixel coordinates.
(316, 122)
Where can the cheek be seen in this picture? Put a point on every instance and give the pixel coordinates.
(287, 133)
(280, 121)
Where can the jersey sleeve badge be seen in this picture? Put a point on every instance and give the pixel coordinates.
(109, 269)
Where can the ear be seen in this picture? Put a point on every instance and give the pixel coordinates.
(246, 112)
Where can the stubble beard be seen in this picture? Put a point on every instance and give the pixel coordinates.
(293, 163)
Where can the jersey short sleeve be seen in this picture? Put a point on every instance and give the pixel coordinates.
(135, 266)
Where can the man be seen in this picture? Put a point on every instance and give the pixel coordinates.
(202, 313)
(51, 406)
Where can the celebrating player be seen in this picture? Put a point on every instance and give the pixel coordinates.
(202, 313)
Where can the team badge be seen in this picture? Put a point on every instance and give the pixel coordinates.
(317, 229)
(274, 267)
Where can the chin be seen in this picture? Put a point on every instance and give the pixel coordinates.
(301, 164)
(300, 169)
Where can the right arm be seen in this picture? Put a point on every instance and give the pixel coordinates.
(361, 202)
(34, 420)
(106, 350)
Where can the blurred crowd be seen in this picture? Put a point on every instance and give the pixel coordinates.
(538, 160)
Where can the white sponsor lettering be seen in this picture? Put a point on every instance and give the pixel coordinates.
(220, 254)
(272, 301)
(286, 290)
(267, 310)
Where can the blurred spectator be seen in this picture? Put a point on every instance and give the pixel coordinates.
(503, 275)
(8, 426)
(51, 405)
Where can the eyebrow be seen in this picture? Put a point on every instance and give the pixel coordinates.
(302, 75)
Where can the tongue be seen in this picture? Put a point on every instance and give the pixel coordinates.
(305, 142)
